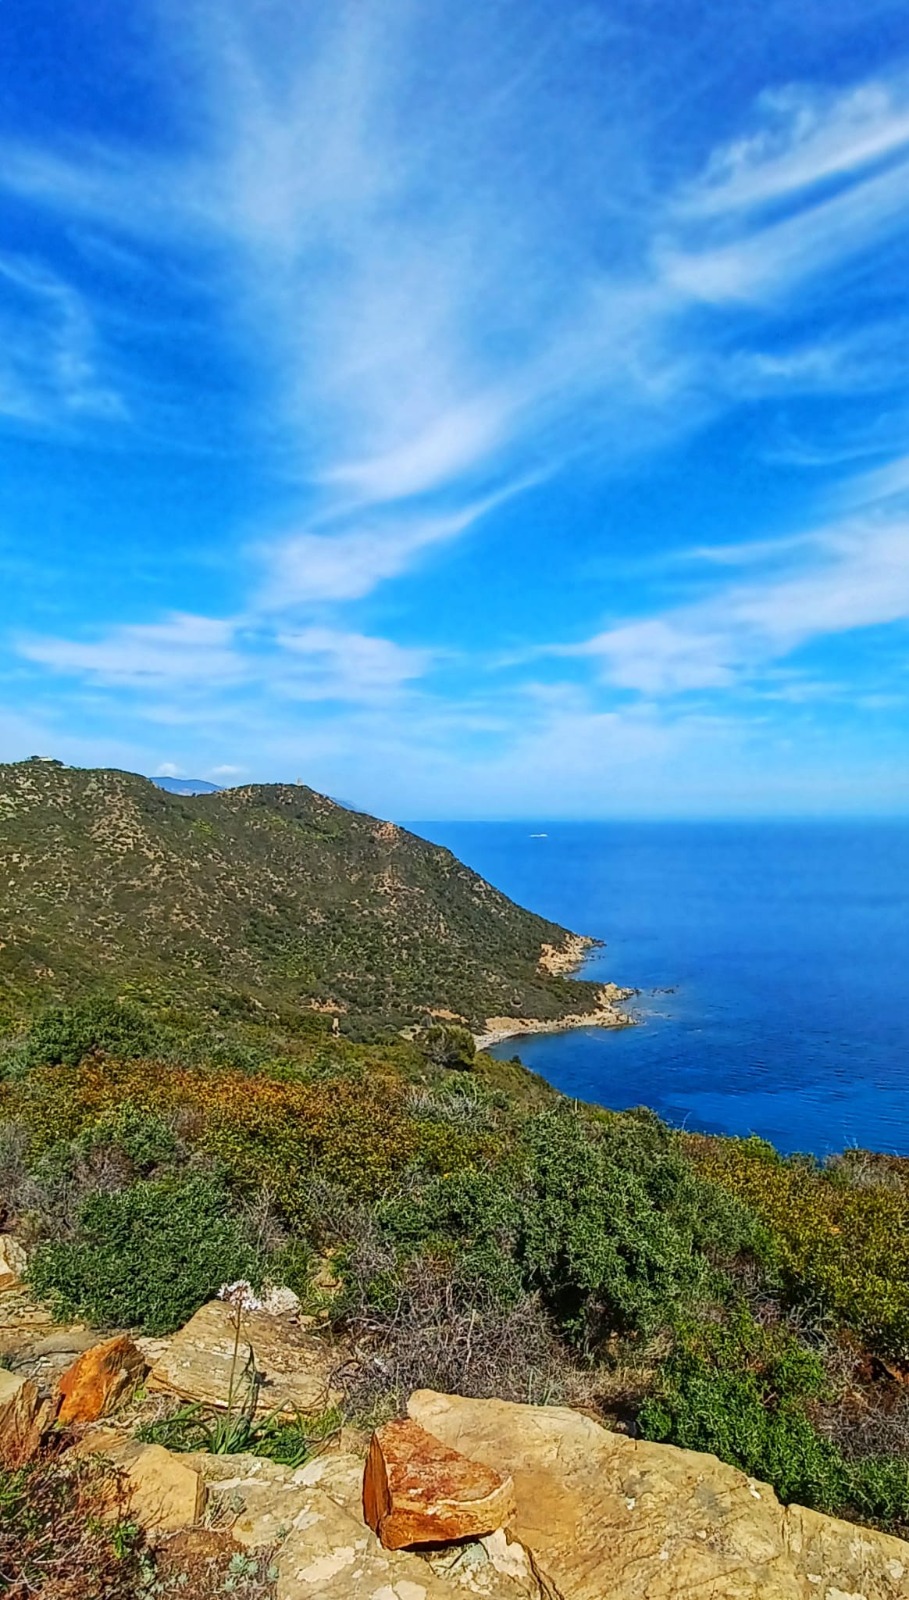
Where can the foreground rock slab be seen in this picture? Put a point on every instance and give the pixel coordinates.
(418, 1491)
(605, 1517)
(102, 1378)
(197, 1363)
(314, 1515)
(164, 1493)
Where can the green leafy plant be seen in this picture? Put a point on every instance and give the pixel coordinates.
(745, 1393)
(279, 1436)
(66, 1034)
(146, 1257)
(447, 1045)
(617, 1230)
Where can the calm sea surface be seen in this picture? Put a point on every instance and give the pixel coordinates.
(785, 946)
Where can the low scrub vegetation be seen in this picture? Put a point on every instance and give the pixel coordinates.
(64, 1532)
(482, 1235)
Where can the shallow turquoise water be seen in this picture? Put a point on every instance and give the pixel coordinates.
(786, 946)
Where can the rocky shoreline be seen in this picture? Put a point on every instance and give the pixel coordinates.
(608, 1014)
(561, 961)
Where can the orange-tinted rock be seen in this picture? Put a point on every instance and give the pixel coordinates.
(24, 1418)
(100, 1380)
(418, 1491)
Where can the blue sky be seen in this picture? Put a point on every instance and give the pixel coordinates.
(475, 408)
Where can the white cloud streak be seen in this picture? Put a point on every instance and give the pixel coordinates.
(184, 649)
(200, 657)
(49, 363)
(857, 577)
(805, 138)
(306, 568)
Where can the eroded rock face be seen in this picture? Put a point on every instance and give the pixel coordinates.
(24, 1418)
(196, 1365)
(610, 1518)
(99, 1380)
(418, 1491)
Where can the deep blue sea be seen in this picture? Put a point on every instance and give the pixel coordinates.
(786, 950)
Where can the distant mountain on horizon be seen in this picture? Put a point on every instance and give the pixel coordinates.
(202, 786)
(187, 785)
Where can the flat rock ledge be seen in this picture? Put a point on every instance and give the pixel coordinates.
(198, 1363)
(418, 1491)
(605, 1517)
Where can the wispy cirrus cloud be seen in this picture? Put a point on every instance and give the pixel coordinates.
(359, 550)
(202, 657)
(804, 137)
(330, 663)
(828, 582)
(180, 650)
(50, 367)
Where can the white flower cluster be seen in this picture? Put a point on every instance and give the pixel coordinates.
(240, 1294)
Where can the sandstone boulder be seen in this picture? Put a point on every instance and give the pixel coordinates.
(13, 1262)
(418, 1491)
(267, 1499)
(23, 1321)
(163, 1492)
(279, 1301)
(605, 1517)
(160, 1490)
(99, 1380)
(196, 1364)
(24, 1418)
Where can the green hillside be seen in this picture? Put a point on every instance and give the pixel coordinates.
(270, 897)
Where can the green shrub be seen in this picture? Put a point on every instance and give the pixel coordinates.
(729, 1414)
(142, 1137)
(617, 1230)
(879, 1491)
(146, 1257)
(606, 1218)
(843, 1246)
(66, 1034)
(447, 1045)
(744, 1393)
(291, 1265)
